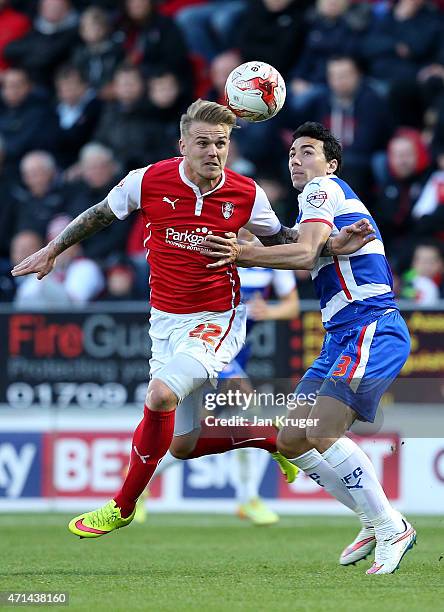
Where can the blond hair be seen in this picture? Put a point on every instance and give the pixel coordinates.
(207, 112)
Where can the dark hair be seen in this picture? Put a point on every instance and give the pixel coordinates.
(332, 146)
(357, 63)
(127, 68)
(430, 243)
(68, 70)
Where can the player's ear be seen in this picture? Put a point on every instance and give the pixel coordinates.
(332, 166)
(182, 147)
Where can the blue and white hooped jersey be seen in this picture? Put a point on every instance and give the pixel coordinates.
(351, 288)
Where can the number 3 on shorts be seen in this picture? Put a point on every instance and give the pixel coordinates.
(208, 332)
(343, 364)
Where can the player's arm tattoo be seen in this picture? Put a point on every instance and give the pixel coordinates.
(286, 235)
(85, 225)
(327, 250)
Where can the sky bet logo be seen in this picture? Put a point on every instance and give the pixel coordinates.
(189, 240)
(355, 475)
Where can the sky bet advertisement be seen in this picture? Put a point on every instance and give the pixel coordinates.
(70, 470)
(91, 464)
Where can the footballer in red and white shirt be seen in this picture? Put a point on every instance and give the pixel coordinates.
(197, 322)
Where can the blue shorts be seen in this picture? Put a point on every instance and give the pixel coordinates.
(358, 365)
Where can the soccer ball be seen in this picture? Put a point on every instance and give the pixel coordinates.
(255, 91)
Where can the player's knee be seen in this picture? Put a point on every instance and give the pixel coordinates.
(291, 446)
(320, 442)
(320, 438)
(160, 396)
(313, 439)
(182, 446)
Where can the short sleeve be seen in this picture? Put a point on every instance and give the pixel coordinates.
(319, 201)
(263, 220)
(125, 197)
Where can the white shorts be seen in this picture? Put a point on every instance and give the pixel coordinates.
(212, 338)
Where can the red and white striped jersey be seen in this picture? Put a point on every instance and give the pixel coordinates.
(177, 218)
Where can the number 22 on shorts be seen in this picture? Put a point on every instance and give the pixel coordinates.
(208, 332)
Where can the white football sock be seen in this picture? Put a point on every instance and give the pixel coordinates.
(315, 466)
(247, 485)
(357, 473)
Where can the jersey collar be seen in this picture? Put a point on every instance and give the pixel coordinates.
(194, 187)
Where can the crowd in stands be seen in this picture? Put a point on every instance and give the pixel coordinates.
(91, 90)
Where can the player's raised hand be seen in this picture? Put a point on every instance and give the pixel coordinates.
(353, 237)
(225, 250)
(41, 262)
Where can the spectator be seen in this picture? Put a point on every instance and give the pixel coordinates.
(41, 197)
(78, 112)
(49, 43)
(98, 174)
(8, 211)
(120, 276)
(329, 34)
(151, 120)
(22, 114)
(273, 32)
(423, 283)
(99, 55)
(355, 113)
(8, 223)
(429, 209)
(126, 126)
(74, 280)
(208, 27)
(166, 102)
(431, 85)
(438, 135)
(13, 25)
(22, 245)
(165, 95)
(392, 46)
(155, 41)
(408, 164)
(396, 47)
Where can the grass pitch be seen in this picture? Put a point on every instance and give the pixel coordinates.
(211, 563)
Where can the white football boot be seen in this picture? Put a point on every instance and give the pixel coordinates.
(390, 552)
(360, 548)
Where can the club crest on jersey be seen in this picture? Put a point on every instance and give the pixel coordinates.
(317, 198)
(227, 209)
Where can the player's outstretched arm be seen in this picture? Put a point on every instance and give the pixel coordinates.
(297, 256)
(85, 225)
(313, 242)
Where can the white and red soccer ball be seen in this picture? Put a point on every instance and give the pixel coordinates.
(255, 91)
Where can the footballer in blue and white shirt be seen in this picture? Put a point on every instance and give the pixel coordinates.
(366, 344)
